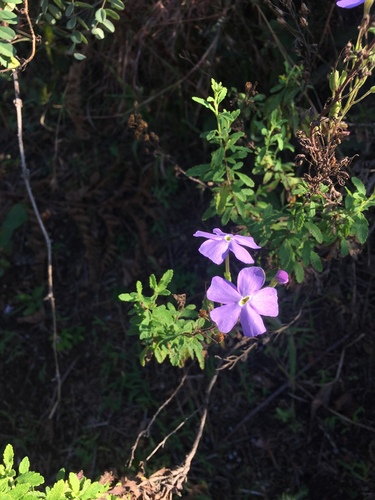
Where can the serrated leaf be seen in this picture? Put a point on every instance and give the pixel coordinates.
(360, 228)
(203, 102)
(166, 278)
(74, 482)
(57, 491)
(24, 465)
(359, 185)
(152, 282)
(8, 457)
(31, 478)
(139, 287)
(314, 231)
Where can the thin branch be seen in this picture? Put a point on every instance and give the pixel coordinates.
(146, 431)
(50, 297)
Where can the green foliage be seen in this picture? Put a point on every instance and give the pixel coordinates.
(74, 19)
(22, 485)
(255, 187)
(166, 332)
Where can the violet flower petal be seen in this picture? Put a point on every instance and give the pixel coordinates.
(265, 302)
(250, 280)
(215, 250)
(223, 291)
(251, 321)
(203, 234)
(349, 4)
(226, 316)
(241, 254)
(245, 241)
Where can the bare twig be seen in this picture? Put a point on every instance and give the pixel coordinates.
(50, 297)
(146, 431)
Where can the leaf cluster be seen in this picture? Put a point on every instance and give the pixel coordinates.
(257, 187)
(23, 483)
(164, 330)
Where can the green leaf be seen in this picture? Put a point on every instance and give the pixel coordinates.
(360, 228)
(60, 4)
(117, 4)
(98, 33)
(69, 10)
(285, 253)
(8, 17)
(8, 457)
(166, 278)
(7, 33)
(79, 56)
(152, 282)
(74, 482)
(221, 198)
(111, 13)
(57, 491)
(31, 478)
(100, 15)
(245, 179)
(359, 185)
(76, 37)
(71, 23)
(108, 25)
(299, 272)
(56, 13)
(314, 231)
(24, 465)
(199, 170)
(344, 247)
(203, 102)
(316, 261)
(7, 49)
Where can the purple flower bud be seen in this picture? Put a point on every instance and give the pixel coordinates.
(282, 277)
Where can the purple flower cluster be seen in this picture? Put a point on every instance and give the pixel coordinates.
(247, 302)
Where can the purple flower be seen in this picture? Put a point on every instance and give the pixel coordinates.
(247, 302)
(282, 277)
(349, 4)
(218, 245)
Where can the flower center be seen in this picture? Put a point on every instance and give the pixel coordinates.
(243, 301)
(227, 237)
